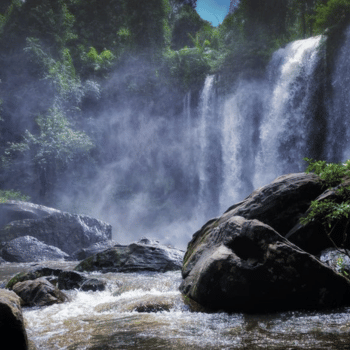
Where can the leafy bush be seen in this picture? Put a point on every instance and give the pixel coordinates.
(12, 195)
(333, 13)
(49, 152)
(335, 212)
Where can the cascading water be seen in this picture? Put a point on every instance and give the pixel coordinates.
(209, 152)
(268, 123)
(285, 130)
(338, 141)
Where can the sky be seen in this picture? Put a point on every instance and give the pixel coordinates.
(213, 11)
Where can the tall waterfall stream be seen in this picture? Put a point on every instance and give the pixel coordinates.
(234, 144)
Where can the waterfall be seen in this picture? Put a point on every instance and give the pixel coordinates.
(209, 150)
(168, 170)
(338, 141)
(267, 124)
(285, 126)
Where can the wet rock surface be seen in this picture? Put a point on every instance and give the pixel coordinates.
(245, 265)
(73, 280)
(150, 256)
(95, 248)
(68, 232)
(279, 204)
(242, 261)
(30, 249)
(12, 330)
(39, 292)
(64, 279)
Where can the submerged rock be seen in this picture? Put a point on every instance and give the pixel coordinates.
(12, 330)
(145, 303)
(63, 279)
(29, 249)
(245, 265)
(98, 247)
(74, 280)
(39, 292)
(33, 274)
(69, 232)
(133, 258)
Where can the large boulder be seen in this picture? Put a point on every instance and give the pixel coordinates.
(12, 330)
(279, 204)
(69, 232)
(95, 248)
(39, 292)
(29, 249)
(150, 256)
(245, 265)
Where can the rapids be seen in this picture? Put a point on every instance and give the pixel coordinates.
(109, 320)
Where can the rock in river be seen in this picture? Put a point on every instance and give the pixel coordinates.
(29, 249)
(242, 261)
(245, 265)
(39, 292)
(13, 333)
(62, 278)
(135, 257)
(69, 232)
(98, 247)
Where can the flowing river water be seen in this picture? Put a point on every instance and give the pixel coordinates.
(146, 311)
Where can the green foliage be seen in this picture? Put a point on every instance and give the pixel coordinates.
(341, 266)
(12, 195)
(188, 66)
(333, 13)
(331, 173)
(328, 212)
(186, 23)
(50, 151)
(334, 212)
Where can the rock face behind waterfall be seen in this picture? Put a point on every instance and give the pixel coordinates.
(68, 232)
(241, 262)
(141, 256)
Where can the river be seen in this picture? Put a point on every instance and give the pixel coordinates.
(110, 320)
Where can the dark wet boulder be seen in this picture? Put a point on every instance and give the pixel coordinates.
(30, 249)
(36, 272)
(313, 237)
(279, 204)
(64, 279)
(95, 248)
(12, 330)
(245, 265)
(39, 292)
(74, 280)
(68, 232)
(133, 258)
